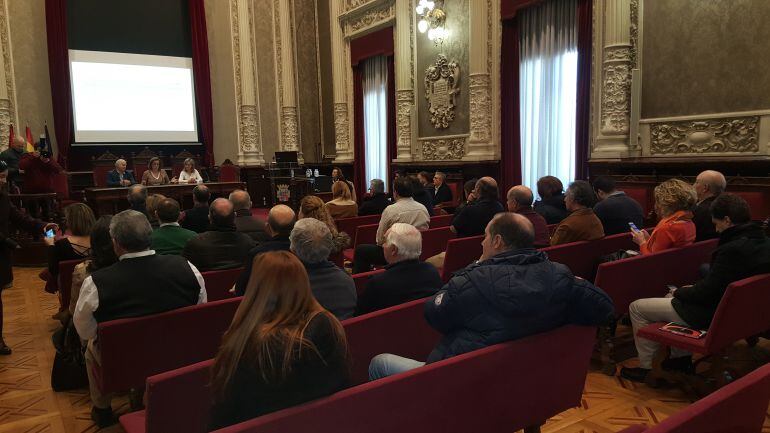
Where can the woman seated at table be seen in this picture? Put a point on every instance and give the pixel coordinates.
(154, 175)
(189, 174)
(282, 348)
(673, 200)
(342, 206)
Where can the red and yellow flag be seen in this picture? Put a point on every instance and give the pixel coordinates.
(30, 140)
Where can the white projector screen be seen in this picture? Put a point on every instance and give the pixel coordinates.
(132, 98)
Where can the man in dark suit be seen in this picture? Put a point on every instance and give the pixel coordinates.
(377, 203)
(615, 209)
(244, 221)
(119, 176)
(472, 220)
(441, 192)
(708, 185)
(221, 247)
(406, 278)
(197, 218)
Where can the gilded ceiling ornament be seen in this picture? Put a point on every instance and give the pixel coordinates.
(441, 85)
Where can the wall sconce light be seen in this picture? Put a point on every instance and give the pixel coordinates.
(432, 19)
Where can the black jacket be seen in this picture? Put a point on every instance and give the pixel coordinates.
(401, 282)
(113, 178)
(374, 205)
(510, 296)
(552, 209)
(196, 219)
(280, 243)
(422, 196)
(743, 251)
(250, 226)
(472, 220)
(443, 194)
(10, 215)
(701, 217)
(616, 211)
(220, 248)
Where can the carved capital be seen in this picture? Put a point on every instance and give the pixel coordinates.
(616, 92)
(443, 149)
(341, 128)
(727, 135)
(480, 106)
(289, 134)
(404, 109)
(249, 128)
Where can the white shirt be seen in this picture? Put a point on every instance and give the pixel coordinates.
(88, 301)
(184, 176)
(404, 210)
(169, 224)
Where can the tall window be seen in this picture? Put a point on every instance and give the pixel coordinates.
(548, 91)
(375, 89)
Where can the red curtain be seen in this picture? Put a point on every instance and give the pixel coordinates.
(359, 160)
(202, 74)
(582, 139)
(510, 133)
(59, 73)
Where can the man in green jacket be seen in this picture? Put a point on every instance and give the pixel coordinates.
(169, 238)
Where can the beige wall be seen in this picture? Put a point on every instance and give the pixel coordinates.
(308, 102)
(266, 72)
(222, 82)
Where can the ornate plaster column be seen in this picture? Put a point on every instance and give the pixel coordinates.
(480, 143)
(405, 105)
(340, 66)
(286, 65)
(7, 87)
(249, 129)
(617, 53)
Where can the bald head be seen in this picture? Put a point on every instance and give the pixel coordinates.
(519, 196)
(221, 213)
(240, 199)
(19, 142)
(507, 231)
(137, 194)
(280, 220)
(709, 183)
(486, 188)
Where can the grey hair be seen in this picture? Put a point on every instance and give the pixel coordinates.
(407, 239)
(441, 175)
(378, 186)
(311, 240)
(131, 230)
(119, 160)
(190, 160)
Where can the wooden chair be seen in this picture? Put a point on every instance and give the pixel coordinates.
(140, 161)
(102, 165)
(177, 162)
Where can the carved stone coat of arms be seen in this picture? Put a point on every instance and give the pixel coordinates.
(441, 87)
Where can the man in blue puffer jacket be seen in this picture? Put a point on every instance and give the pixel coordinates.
(513, 291)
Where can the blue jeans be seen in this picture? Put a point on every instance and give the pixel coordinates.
(385, 365)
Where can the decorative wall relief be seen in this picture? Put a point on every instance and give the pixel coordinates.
(441, 85)
(481, 105)
(370, 18)
(249, 125)
(443, 149)
(341, 126)
(290, 128)
(404, 107)
(728, 135)
(616, 91)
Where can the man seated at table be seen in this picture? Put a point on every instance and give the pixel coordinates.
(406, 278)
(197, 218)
(512, 292)
(139, 284)
(244, 221)
(137, 198)
(119, 176)
(333, 288)
(169, 238)
(378, 201)
(221, 247)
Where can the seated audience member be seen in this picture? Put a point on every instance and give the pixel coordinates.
(469, 196)
(137, 198)
(338, 176)
(119, 176)
(472, 220)
(155, 174)
(440, 193)
(139, 284)
(421, 194)
(673, 201)
(282, 348)
(615, 209)
(189, 173)
(743, 251)
(581, 224)
(197, 218)
(244, 221)
(520, 201)
(332, 287)
(151, 206)
(342, 206)
(76, 244)
(404, 210)
(406, 278)
(378, 201)
(169, 237)
(708, 185)
(102, 255)
(551, 204)
(512, 292)
(313, 207)
(280, 222)
(39, 170)
(221, 247)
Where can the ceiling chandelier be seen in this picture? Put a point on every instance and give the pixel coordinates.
(432, 19)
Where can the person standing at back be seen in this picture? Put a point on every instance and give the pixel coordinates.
(197, 218)
(708, 185)
(615, 209)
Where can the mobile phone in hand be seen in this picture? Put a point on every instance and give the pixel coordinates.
(49, 233)
(633, 227)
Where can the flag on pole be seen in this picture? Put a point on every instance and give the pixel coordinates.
(30, 140)
(48, 146)
(11, 136)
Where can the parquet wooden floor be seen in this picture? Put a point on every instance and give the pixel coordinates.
(28, 405)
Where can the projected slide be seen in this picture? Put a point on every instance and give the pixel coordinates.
(130, 98)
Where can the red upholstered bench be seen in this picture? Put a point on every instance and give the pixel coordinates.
(349, 225)
(219, 283)
(739, 407)
(366, 234)
(437, 221)
(362, 278)
(460, 253)
(64, 282)
(434, 241)
(133, 349)
(582, 258)
(742, 313)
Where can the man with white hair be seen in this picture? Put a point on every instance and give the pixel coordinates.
(708, 185)
(119, 176)
(332, 287)
(406, 278)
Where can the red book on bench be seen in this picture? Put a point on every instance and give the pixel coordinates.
(679, 329)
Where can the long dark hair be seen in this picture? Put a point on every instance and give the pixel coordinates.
(102, 253)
